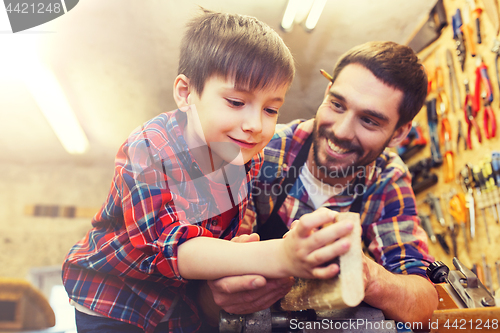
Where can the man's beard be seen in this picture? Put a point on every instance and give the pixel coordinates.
(333, 167)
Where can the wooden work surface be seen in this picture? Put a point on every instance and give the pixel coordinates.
(479, 245)
(466, 320)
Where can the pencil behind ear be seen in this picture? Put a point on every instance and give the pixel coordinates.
(181, 91)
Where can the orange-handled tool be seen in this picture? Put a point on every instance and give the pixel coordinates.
(459, 213)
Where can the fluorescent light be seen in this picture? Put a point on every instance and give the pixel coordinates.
(314, 14)
(49, 96)
(290, 12)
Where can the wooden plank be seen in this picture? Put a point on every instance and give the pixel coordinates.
(345, 290)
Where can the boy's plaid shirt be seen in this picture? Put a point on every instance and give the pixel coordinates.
(391, 227)
(125, 267)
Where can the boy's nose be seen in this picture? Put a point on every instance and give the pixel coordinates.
(252, 120)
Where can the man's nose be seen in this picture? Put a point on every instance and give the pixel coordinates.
(344, 127)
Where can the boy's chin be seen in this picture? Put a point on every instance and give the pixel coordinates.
(229, 152)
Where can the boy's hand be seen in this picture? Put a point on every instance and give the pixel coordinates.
(314, 241)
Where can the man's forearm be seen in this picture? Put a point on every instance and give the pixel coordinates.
(404, 298)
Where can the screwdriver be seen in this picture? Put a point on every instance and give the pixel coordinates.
(466, 183)
(487, 195)
(476, 172)
(491, 188)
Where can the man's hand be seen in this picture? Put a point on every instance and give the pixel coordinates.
(404, 298)
(248, 293)
(243, 294)
(313, 242)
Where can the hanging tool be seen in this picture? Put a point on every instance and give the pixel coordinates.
(476, 13)
(448, 152)
(491, 187)
(461, 136)
(497, 266)
(481, 199)
(487, 274)
(445, 133)
(495, 171)
(435, 205)
(454, 88)
(489, 119)
(413, 143)
(465, 284)
(466, 183)
(422, 178)
(432, 120)
(481, 77)
(453, 227)
(496, 49)
(442, 241)
(470, 117)
(459, 213)
(458, 36)
(467, 31)
(427, 226)
(487, 194)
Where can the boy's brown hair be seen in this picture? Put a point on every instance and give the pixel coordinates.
(234, 46)
(397, 66)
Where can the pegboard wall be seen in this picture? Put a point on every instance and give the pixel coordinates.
(434, 59)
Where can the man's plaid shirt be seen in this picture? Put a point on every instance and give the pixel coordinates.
(391, 227)
(125, 267)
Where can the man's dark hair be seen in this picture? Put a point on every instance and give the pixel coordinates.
(397, 66)
(234, 46)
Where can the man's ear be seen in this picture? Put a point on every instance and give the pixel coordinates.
(400, 134)
(181, 91)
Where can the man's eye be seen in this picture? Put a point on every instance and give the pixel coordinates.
(369, 122)
(234, 103)
(336, 105)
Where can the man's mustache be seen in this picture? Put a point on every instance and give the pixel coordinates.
(343, 144)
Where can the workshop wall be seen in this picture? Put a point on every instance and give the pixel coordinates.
(436, 54)
(67, 196)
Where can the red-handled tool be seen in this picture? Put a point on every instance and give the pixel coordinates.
(489, 119)
(469, 117)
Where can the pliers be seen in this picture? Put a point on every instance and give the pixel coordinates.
(489, 119)
(481, 76)
(469, 115)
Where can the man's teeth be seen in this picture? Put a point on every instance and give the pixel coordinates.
(336, 149)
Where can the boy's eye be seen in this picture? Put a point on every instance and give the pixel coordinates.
(234, 102)
(271, 111)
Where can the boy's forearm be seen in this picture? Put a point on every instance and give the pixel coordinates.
(207, 258)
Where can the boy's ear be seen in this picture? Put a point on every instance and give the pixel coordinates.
(400, 134)
(181, 91)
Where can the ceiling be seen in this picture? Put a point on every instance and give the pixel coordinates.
(116, 61)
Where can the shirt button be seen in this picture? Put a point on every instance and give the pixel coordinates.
(215, 222)
(161, 307)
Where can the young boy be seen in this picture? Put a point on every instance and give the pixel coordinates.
(181, 187)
